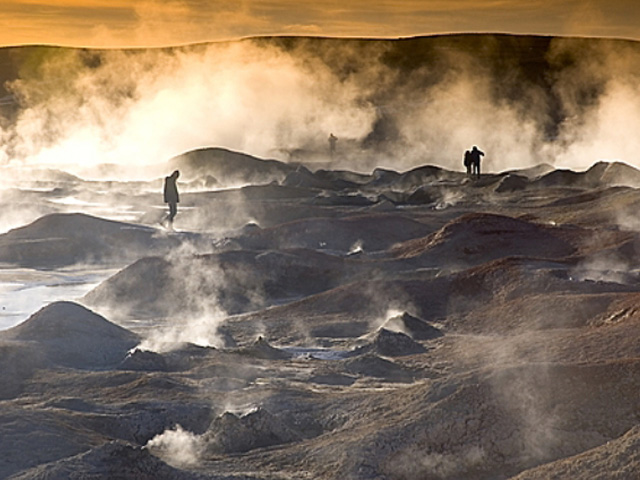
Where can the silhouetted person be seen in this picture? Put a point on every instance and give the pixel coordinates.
(171, 196)
(467, 162)
(332, 144)
(474, 156)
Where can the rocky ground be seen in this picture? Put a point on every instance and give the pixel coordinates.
(332, 325)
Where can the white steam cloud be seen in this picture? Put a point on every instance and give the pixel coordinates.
(177, 447)
(604, 129)
(199, 320)
(140, 107)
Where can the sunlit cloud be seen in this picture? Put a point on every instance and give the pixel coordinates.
(121, 23)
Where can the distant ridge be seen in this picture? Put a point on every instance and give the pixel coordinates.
(230, 166)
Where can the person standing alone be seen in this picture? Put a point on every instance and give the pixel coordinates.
(332, 145)
(171, 197)
(474, 157)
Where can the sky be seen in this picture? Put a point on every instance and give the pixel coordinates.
(145, 23)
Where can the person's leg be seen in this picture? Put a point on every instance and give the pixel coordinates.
(173, 211)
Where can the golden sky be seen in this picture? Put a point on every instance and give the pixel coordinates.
(118, 23)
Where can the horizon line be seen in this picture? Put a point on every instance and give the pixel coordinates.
(319, 37)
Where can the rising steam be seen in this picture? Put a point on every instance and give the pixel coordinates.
(177, 447)
(140, 107)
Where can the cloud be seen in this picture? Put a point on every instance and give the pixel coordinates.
(162, 23)
(602, 108)
(143, 107)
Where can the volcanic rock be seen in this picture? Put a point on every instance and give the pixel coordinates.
(488, 236)
(231, 433)
(422, 195)
(371, 365)
(512, 183)
(414, 327)
(143, 360)
(303, 178)
(395, 344)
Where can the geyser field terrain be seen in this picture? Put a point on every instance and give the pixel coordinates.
(375, 315)
(395, 325)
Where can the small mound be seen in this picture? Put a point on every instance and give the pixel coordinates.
(561, 178)
(233, 167)
(112, 460)
(416, 328)
(381, 231)
(302, 177)
(487, 236)
(168, 287)
(151, 277)
(422, 195)
(370, 365)
(71, 335)
(425, 175)
(262, 349)
(618, 173)
(230, 433)
(384, 177)
(143, 360)
(395, 344)
(512, 183)
(601, 174)
(66, 239)
(532, 172)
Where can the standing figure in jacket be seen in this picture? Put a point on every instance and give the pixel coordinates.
(171, 197)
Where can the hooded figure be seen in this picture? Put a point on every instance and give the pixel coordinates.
(171, 196)
(467, 162)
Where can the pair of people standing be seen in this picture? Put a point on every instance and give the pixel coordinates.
(472, 161)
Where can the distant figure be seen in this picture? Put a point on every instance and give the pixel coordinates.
(474, 156)
(171, 196)
(467, 162)
(332, 144)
